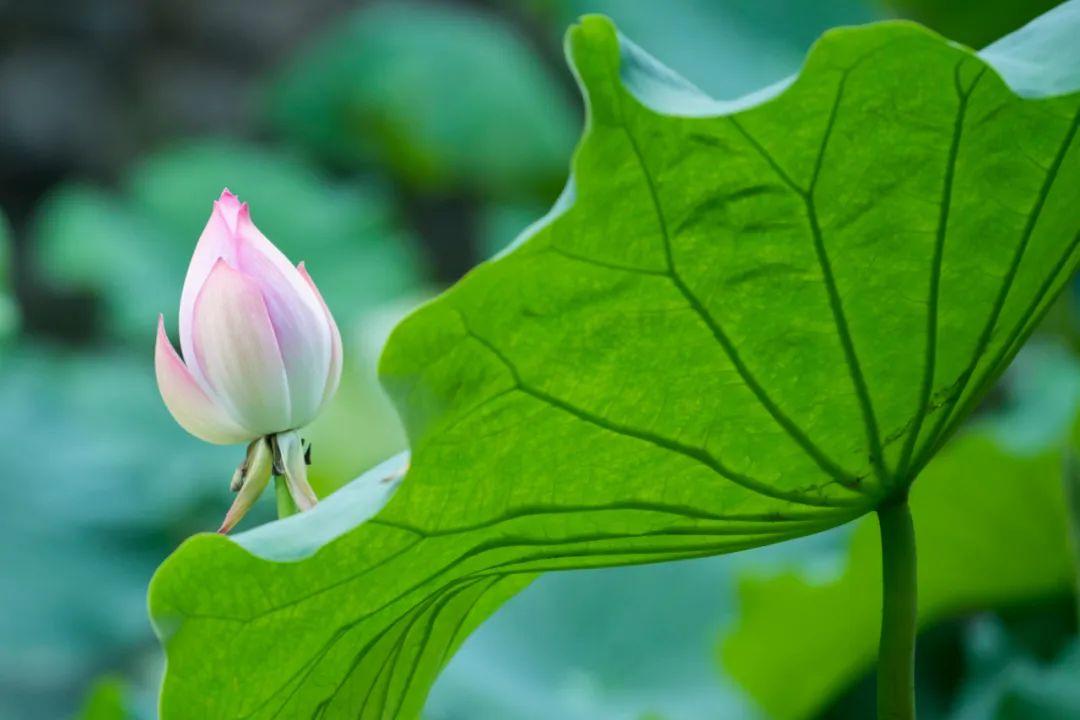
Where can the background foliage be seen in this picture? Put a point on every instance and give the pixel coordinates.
(391, 177)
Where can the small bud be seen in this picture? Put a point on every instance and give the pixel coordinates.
(262, 353)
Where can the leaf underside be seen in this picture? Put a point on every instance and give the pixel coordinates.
(733, 330)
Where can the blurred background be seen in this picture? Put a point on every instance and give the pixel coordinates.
(393, 146)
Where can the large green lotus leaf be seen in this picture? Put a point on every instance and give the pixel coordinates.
(1010, 545)
(439, 95)
(615, 642)
(742, 323)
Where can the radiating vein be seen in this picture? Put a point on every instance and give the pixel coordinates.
(945, 417)
(873, 436)
(829, 466)
(687, 512)
(694, 453)
(930, 359)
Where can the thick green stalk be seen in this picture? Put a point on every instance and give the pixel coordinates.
(285, 504)
(896, 653)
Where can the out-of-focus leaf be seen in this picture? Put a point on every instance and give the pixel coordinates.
(1009, 545)
(1072, 499)
(100, 485)
(1009, 684)
(106, 701)
(441, 95)
(688, 358)
(1043, 394)
(89, 239)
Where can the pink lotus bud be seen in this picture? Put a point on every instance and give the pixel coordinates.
(262, 353)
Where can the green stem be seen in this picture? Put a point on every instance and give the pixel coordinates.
(1072, 504)
(285, 504)
(896, 653)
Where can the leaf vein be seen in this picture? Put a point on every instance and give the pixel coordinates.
(930, 359)
(802, 439)
(945, 424)
(698, 454)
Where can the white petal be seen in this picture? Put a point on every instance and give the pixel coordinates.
(218, 240)
(333, 377)
(189, 403)
(238, 351)
(296, 314)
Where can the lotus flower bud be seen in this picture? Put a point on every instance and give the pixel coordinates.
(261, 351)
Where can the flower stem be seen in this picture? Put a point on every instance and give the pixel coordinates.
(896, 653)
(285, 504)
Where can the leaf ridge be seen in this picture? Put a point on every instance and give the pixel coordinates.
(390, 662)
(464, 618)
(409, 618)
(670, 552)
(684, 511)
(426, 638)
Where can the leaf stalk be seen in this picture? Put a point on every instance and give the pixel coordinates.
(899, 613)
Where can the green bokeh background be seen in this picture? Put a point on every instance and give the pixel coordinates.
(391, 146)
